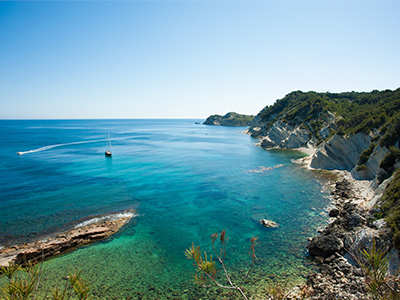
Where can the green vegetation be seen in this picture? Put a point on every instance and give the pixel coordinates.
(366, 154)
(239, 117)
(388, 163)
(379, 284)
(206, 269)
(230, 119)
(23, 283)
(355, 112)
(390, 206)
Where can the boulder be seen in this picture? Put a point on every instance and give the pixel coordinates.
(325, 245)
(379, 224)
(356, 220)
(256, 131)
(334, 212)
(266, 142)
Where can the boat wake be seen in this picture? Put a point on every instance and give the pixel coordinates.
(44, 148)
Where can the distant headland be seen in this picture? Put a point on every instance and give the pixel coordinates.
(230, 119)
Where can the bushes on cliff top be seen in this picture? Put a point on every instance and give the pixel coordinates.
(356, 112)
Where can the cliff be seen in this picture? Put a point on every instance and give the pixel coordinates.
(230, 119)
(357, 132)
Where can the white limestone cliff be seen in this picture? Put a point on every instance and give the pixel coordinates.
(372, 165)
(340, 152)
(281, 135)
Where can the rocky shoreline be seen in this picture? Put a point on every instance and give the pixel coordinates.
(90, 231)
(337, 248)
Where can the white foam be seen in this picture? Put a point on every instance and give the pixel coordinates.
(112, 217)
(262, 169)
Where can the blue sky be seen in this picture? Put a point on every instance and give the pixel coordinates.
(188, 59)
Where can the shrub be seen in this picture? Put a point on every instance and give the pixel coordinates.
(364, 156)
(23, 282)
(206, 269)
(390, 160)
(390, 206)
(375, 267)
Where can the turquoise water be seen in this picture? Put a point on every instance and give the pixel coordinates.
(186, 182)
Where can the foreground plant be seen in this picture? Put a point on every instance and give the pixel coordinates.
(379, 284)
(22, 283)
(206, 269)
(277, 292)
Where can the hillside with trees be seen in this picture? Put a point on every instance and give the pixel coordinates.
(354, 112)
(230, 119)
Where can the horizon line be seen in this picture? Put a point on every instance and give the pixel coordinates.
(78, 119)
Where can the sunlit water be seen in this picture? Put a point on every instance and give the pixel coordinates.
(186, 182)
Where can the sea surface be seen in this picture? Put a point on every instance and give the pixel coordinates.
(186, 182)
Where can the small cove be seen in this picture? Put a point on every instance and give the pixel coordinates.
(186, 181)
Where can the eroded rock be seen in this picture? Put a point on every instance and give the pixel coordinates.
(42, 250)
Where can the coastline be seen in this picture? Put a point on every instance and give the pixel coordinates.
(351, 228)
(89, 231)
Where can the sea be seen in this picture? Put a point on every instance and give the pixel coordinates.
(186, 181)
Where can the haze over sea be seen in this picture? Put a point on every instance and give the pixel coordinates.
(186, 181)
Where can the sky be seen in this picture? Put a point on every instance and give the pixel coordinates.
(188, 59)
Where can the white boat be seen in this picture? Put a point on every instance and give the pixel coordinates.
(108, 151)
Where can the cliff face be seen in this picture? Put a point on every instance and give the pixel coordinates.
(230, 119)
(372, 165)
(281, 135)
(358, 133)
(340, 152)
(349, 131)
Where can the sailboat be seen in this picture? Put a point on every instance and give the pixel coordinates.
(108, 151)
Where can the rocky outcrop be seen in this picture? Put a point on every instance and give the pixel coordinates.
(337, 250)
(281, 135)
(230, 119)
(42, 250)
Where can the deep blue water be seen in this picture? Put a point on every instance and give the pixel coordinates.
(186, 181)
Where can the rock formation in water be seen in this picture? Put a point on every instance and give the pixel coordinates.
(268, 223)
(42, 250)
(230, 119)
